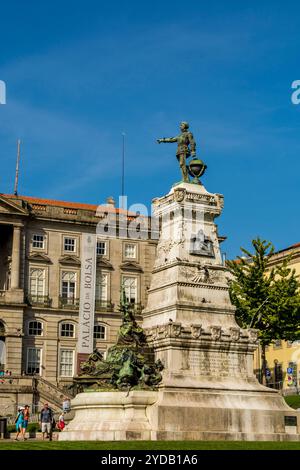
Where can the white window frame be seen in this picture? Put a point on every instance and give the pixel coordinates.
(69, 237)
(35, 321)
(43, 241)
(99, 290)
(36, 293)
(105, 247)
(124, 277)
(105, 332)
(27, 360)
(60, 363)
(74, 296)
(131, 245)
(60, 330)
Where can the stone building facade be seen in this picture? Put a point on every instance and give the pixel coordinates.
(40, 269)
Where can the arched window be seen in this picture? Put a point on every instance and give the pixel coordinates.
(99, 332)
(67, 330)
(35, 328)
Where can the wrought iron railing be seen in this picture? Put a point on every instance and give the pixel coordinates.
(136, 307)
(106, 305)
(69, 302)
(39, 300)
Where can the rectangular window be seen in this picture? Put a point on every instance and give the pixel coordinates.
(37, 282)
(68, 286)
(130, 286)
(101, 248)
(38, 241)
(130, 250)
(67, 330)
(69, 244)
(99, 332)
(35, 328)
(102, 287)
(66, 363)
(277, 344)
(33, 361)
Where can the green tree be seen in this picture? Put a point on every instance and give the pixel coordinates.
(266, 298)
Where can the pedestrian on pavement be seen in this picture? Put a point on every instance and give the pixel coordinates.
(20, 422)
(25, 421)
(46, 421)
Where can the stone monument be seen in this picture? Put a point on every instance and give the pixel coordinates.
(207, 389)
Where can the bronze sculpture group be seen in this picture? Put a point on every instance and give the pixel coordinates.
(129, 363)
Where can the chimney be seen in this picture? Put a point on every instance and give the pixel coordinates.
(110, 202)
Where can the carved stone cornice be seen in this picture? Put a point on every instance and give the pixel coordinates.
(104, 264)
(196, 332)
(131, 266)
(206, 286)
(39, 258)
(9, 207)
(70, 260)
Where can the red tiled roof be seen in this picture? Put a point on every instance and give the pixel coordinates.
(71, 205)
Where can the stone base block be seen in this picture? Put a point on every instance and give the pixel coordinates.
(110, 416)
(222, 415)
(182, 415)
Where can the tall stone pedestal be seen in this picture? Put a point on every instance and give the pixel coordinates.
(208, 390)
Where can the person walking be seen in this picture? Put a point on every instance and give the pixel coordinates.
(46, 418)
(19, 422)
(25, 421)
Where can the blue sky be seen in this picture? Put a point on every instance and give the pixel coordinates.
(79, 74)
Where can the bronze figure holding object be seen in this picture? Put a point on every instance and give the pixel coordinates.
(186, 147)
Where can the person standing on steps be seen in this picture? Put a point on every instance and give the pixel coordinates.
(66, 406)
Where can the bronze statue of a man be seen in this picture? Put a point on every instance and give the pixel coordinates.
(186, 146)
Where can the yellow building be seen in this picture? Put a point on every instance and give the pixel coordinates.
(283, 357)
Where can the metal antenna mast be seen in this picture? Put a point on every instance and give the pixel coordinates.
(17, 167)
(123, 169)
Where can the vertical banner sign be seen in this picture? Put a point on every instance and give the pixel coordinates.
(87, 298)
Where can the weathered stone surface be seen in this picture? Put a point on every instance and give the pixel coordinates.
(208, 388)
(110, 416)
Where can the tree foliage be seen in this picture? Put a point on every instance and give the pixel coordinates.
(266, 298)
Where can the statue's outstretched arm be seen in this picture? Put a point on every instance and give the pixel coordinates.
(167, 140)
